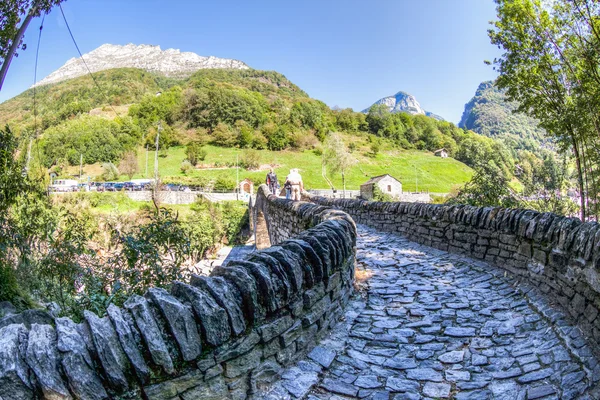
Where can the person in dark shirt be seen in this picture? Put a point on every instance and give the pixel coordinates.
(271, 182)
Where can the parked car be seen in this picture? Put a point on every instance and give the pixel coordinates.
(142, 184)
(119, 186)
(109, 186)
(64, 185)
(133, 186)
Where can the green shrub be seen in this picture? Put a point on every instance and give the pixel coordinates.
(378, 195)
(235, 218)
(223, 183)
(195, 153)
(9, 288)
(250, 159)
(111, 173)
(186, 167)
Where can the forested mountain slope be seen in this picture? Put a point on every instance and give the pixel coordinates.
(489, 113)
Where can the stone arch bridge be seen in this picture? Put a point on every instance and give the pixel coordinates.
(344, 299)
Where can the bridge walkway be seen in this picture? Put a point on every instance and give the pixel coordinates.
(430, 324)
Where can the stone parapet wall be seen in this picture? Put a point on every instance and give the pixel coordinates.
(559, 255)
(286, 218)
(224, 336)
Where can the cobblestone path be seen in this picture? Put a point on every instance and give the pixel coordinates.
(436, 325)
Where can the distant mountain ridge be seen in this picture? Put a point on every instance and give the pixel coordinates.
(404, 102)
(170, 62)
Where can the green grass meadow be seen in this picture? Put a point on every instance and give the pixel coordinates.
(412, 168)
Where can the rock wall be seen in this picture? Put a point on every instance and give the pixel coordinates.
(559, 255)
(223, 336)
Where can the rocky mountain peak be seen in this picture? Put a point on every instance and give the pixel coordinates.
(404, 102)
(170, 62)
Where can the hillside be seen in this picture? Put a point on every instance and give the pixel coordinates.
(124, 86)
(228, 112)
(489, 113)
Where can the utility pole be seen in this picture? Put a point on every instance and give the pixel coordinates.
(156, 153)
(237, 178)
(416, 179)
(80, 165)
(146, 174)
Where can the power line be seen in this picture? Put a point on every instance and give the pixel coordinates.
(35, 128)
(82, 59)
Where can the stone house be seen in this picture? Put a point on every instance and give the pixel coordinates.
(386, 183)
(441, 153)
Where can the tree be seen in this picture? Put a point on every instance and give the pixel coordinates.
(15, 16)
(194, 153)
(250, 160)
(129, 164)
(224, 136)
(166, 139)
(337, 157)
(488, 187)
(111, 173)
(550, 67)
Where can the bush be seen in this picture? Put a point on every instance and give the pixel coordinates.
(111, 173)
(224, 136)
(195, 153)
(9, 288)
(378, 195)
(250, 159)
(260, 141)
(302, 140)
(375, 147)
(223, 183)
(186, 167)
(234, 219)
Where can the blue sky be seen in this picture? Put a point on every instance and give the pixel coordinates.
(347, 53)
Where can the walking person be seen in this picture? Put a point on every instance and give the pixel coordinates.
(271, 182)
(288, 188)
(296, 183)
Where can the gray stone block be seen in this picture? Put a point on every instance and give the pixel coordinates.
(42, 357)
(227, 296)
(180, 322)
(150, 332)
(213, 320)
(14, 371)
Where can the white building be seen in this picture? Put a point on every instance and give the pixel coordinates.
(441, 153)
(386, 183)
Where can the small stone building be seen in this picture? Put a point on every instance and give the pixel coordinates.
(246, 187)
(441, 153)
(386, 183)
